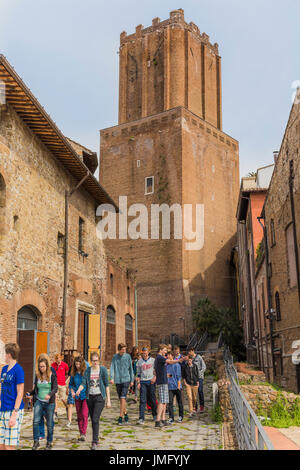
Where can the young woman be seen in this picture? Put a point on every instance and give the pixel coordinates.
(12, 406)
(95, 381)
(77, 372)
(44, 391)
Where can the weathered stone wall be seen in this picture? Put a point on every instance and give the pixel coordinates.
(31, 262)
(278, 209)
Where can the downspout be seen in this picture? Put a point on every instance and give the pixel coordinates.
(136, 317)
(291, 185)
(270, 310)
(68, 194)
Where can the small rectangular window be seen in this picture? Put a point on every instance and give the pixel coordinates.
(60, 243)
(272, 230)
(149, 185)
(291, 258)
(81, 235)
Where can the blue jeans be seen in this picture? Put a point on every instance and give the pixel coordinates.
(43, 409)
(147, 394)
(200, 392)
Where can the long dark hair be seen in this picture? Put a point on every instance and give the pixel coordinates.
(82, 366)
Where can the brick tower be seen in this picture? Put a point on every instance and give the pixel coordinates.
(169, 148)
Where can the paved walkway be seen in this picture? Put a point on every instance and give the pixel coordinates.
(199, 433)
(284, 439)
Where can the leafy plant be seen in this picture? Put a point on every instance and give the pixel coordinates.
(208, 317)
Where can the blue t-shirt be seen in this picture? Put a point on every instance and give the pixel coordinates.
(9, 382)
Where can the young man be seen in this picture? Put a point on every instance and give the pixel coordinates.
(146, 384)
(197, 359)
(121, 374)
(12, 406)
(174, 385)
(190, 377)
(162, 383)
(61, 369)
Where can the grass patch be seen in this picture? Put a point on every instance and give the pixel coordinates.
(216, 414)
(280, 413)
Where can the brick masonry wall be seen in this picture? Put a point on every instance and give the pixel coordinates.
(191, 162)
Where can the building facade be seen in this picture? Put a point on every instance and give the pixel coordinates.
(282, 236)
(54, 290)
(169, 148)
(252, 195)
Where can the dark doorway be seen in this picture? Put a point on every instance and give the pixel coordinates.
(298, 377)
(83, 334)
(110, 333)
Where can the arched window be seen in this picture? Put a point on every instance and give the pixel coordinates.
(27, 319)
(277, 305)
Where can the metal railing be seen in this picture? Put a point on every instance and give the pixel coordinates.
(249, 430)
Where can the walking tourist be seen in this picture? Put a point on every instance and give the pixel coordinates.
(44, 391)
(146, 384)
(174, 385)
(77, 372)
(61, 369)
(96, 386)
(198, 360)
(162, 384)
(11, 398)
(190, 376)
(121, 374)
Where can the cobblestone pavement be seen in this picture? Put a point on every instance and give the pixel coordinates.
(199, 433)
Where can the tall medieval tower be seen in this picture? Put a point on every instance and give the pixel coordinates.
(169, 148)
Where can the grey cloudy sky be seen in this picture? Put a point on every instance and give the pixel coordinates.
(66, 52)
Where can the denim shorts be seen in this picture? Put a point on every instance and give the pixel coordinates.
(122, 389)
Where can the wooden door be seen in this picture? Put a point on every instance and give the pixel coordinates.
(26, 341)
(41, 343)
(110, 341)
(94, 334)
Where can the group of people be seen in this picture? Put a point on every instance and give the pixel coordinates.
(160, 381)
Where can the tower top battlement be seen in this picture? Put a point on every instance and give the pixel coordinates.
(177, 20)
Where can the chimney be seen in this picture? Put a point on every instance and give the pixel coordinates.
(276, 153)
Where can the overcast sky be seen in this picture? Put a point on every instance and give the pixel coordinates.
(66, 52)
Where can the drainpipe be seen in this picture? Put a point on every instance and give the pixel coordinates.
(136, 317)
(68, 194)
(270, 310)
(291, 185)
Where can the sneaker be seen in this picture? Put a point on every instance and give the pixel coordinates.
(180, 419)
(49, 446)
(154, 418)
(81, 438)
(158, 424)
(201, 409)
(191, 415)
(141, 421)
(95, 446)
(171, 421)
(126, 418)
(36, 445)
(68, 425)
(165, 423)
(120, 420)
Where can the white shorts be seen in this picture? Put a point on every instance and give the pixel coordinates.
(10, 436)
